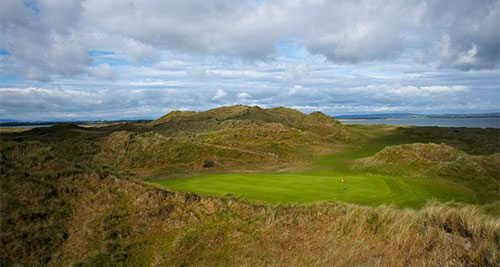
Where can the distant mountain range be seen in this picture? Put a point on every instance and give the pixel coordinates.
(412, 115)
(7, 120)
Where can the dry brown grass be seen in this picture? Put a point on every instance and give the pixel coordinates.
(117, 222)
(13, 129)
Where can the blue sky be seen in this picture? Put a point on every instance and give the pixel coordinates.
(74, 60)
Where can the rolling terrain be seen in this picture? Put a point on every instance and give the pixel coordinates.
(268, 186)
(405, 175)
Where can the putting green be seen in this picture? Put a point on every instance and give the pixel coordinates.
(298, 188)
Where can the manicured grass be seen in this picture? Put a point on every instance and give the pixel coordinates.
(322, 181)
(299, 188)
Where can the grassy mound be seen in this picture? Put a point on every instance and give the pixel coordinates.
(234, 138)
(418, 152)
(433, 160)
(238, 145)
(411, 159)
(419, 159)
(316, 122)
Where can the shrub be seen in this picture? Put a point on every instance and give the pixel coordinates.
(208, 163)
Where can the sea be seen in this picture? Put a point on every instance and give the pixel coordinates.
(493, 122)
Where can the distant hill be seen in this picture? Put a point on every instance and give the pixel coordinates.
(189, 121)
(377, 116)
(8, 120)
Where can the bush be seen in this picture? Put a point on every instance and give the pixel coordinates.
(208, 163)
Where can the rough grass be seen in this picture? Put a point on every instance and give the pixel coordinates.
(236, 144)
(480, 173)
(211, 120)
(119, 222)
(13, 129)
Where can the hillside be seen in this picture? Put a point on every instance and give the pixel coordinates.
(427, 159)
(235, 138)
(419, 159)
(211, 120)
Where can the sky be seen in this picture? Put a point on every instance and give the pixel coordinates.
(94, 59)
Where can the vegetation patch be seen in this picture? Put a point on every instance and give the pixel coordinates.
(480, 173)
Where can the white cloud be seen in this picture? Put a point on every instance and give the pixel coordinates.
(244, 95)
(44, 98)
(150, 56)
(219, 94)
(297, 72)
(296, 89)
(384, 91)
(40, 45)
(443, 89)
(452, 56)
(35, 74)
(467, 58)
(137, 51)
(103, 71)
(200, 73)
(153, 83)
(55, 38)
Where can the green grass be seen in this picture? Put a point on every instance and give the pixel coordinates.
(322, 181)
(300, 188)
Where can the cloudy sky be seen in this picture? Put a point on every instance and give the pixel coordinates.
(95, 59)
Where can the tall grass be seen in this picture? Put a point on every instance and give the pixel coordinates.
(119, 222)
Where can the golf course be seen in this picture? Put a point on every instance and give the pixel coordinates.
(330, 178)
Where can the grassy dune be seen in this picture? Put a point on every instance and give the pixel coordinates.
(322, 181)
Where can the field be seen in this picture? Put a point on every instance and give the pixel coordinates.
(323, 180)
(13, 129)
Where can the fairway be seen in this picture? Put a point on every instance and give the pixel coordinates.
(323, 181)
(298, 188)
